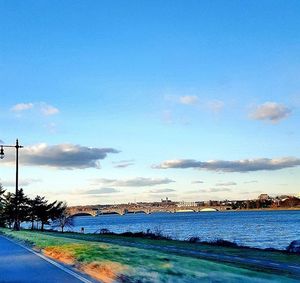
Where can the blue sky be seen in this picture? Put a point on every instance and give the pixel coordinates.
(103, 94)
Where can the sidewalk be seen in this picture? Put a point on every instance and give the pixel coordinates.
(18, 264)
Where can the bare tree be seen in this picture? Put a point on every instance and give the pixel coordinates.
(63, 220)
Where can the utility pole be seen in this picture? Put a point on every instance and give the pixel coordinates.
(16, 146)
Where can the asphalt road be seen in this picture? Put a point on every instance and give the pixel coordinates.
(17, 265)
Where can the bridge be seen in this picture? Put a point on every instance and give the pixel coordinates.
(82, 211)
(134, 209)
(75, 211)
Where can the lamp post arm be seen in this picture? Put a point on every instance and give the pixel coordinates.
(15, 146)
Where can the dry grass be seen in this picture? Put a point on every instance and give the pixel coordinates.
(107, 272)
(60, 254)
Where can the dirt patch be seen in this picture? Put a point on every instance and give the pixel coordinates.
(107, 272)
(59, 254)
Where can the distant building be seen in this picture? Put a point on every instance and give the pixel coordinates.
(166, 200)
(213, 203)
(199, 203)
(263, 197)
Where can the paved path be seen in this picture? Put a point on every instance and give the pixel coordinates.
(18, 265)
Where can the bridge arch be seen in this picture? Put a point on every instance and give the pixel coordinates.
(81, 214)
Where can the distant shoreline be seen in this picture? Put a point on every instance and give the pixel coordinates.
(264, 209)
(191, 211)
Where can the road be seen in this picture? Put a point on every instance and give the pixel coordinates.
(18, 265)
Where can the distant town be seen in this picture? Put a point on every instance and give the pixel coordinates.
(263, 201)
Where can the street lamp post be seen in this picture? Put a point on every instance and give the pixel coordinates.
(16, 146)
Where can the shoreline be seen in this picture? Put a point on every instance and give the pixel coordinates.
(265, 209)
(160, 237)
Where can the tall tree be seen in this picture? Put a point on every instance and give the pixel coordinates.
(35, 206)
(46, 212)
(2, 218)
(57, 210)
(21, 209)
(2, 191)
(14, 210)
(9, 209)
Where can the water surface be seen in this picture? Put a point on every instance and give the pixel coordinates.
(262, 229)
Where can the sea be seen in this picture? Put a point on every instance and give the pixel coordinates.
(261, 229)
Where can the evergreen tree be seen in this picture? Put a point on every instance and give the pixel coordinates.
(15, 210)
(8, 209)
(57, 210)
(45, 213)
(21, 208)
(2, 218)
(34, 208)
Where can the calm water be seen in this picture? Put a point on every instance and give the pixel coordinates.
(263, 229)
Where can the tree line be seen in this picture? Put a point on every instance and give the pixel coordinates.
(37, 211)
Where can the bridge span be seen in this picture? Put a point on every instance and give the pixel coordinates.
(82, 211)
(121, 210)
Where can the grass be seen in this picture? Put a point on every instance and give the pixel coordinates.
(125, 263)
(279, 256)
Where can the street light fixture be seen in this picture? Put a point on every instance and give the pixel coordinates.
(1, 152)
(16, 146)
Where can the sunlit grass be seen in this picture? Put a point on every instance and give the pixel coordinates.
(131, 264)
(243, 252)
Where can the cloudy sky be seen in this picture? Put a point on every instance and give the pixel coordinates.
(134, 101)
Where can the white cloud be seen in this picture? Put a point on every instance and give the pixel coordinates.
(226, 184)
(44, 108)
(22, 182)
(134, 182)
(251, 182)
(188, 99)
(62, 156)
(160, 191)
(101, 191)
(253, 192)
(245, 165)
(270, 111)
(197, 182)
(22, 107)
(215, 190)
(123, 163)
(48, 110)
